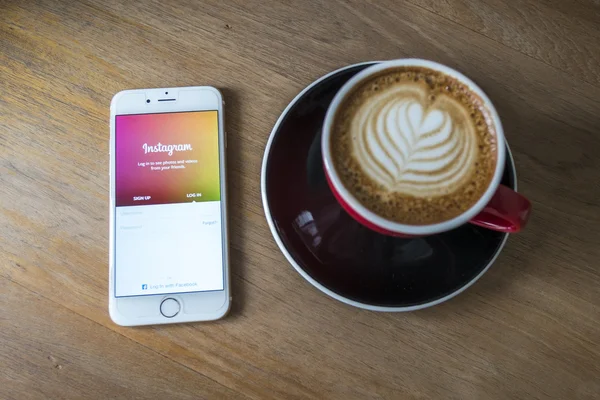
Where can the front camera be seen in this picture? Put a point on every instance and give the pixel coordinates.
(148, 101)
(166, 92)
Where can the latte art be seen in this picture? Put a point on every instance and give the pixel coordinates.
(412, 147)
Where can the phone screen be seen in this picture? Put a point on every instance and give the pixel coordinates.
(168, 236)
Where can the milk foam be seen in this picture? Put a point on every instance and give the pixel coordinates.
(412, 145)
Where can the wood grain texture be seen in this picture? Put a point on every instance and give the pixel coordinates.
(564, 34)
(528, 329)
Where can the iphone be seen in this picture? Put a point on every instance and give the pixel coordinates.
(168, 248)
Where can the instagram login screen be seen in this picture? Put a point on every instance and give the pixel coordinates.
(168, 210)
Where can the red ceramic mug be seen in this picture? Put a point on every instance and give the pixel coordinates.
(499, 208)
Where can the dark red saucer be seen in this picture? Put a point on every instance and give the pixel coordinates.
(338, 255)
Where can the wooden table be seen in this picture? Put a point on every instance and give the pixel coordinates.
(528, 329)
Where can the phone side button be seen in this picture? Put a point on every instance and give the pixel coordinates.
(169, 307)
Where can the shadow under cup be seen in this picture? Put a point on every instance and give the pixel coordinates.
(341, 256)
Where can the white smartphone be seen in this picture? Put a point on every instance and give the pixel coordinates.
(168, 249)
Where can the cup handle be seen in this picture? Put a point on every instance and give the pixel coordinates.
(508, 211)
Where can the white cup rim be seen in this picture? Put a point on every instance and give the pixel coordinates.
(370, 216)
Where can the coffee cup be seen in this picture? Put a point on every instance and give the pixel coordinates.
(412, 147)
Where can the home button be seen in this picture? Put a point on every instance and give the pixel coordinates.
(169, 307)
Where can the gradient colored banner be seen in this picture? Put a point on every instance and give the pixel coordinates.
(167, 158)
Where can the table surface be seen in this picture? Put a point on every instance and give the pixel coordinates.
(528, 329)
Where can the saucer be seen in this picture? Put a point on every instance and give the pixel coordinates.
(335, 253)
